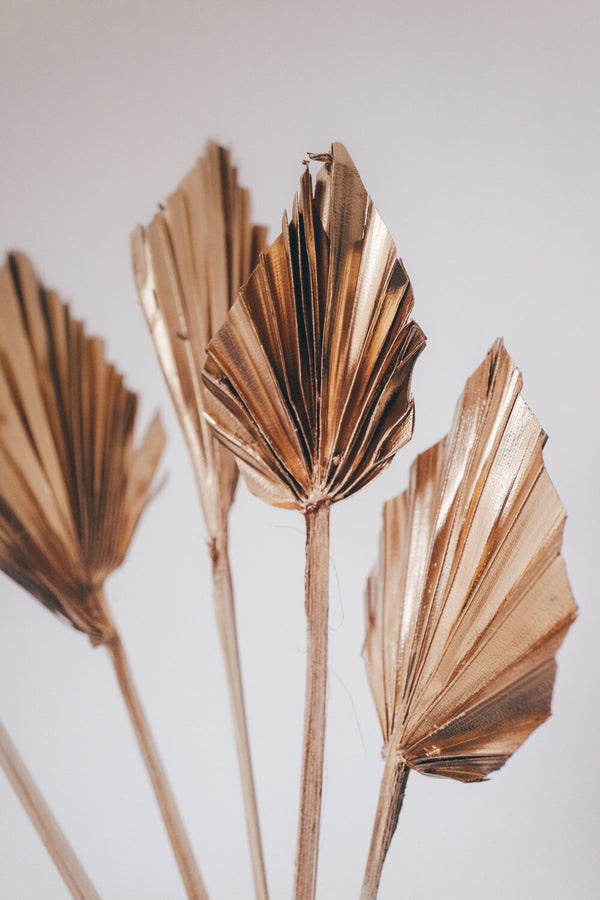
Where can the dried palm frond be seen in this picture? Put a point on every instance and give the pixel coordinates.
(469, 601)
(309, 385)
(310, 375)
(189, 265)
(62, 854)
(72, 485)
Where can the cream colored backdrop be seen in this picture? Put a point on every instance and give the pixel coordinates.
(476, 128)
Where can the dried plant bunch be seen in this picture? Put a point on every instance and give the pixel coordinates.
(309, 377)
(73, 486)
(469, 600)
(189, 264)
(308, 383)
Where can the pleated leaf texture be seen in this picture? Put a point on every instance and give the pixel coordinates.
(189, 265)
(470, 601)
(309, 377)
(72, 485)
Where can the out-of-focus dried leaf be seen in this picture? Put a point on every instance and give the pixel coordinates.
(189, 265)
(72, 485)
(470, 601)
(309, 378)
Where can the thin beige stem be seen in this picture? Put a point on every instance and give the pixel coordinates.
(225, 615)
(391, 795)
(164, 795)
(44, 822)
(315, 700)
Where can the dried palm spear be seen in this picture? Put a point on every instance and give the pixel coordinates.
(469, 601)
(189, 265)
(309, 385)
(72, 486)
(61, 852)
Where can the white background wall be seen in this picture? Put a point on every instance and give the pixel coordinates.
(475, 127)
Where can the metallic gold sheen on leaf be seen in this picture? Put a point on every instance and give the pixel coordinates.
(470, 601)
(72, 485)
(309, 378)
(189, 265)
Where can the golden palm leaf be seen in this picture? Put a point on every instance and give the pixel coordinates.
(72, 485)
(469, 600)
(189, 265)
(309, 385)
(309, 377)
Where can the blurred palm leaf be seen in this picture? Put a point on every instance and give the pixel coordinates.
(72, 485)
(189, 265)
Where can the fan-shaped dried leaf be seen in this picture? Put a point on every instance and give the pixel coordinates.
(189, 265)
(470, 600)
(309, 378)
(72, 486)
